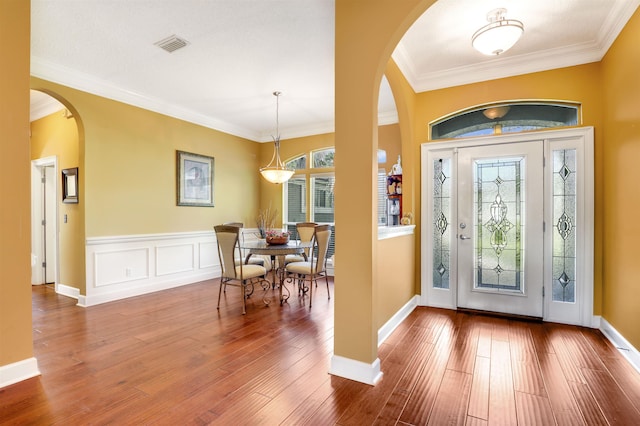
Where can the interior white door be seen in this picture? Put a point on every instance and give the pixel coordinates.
(50, 225)
(499, 231)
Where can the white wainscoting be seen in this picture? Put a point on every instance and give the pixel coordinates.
(131, 265)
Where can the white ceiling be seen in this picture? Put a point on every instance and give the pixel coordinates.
(240, 51)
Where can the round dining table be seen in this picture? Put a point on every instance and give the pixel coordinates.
(276, 251)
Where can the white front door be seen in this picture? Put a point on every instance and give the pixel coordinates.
(500, 228)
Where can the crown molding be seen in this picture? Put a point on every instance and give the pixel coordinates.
(87, 83)
(502, 67)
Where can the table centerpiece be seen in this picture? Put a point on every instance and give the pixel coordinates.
(277, 236)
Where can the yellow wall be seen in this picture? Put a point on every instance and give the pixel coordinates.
(621, 177)
(55, 135)
(395, 285)
(579, 83)
(129, 174)
(406, 99)
(16, 336)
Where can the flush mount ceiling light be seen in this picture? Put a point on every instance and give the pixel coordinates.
(275, 171)
(499, 35)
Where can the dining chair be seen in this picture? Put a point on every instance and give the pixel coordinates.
(236, 274)
(253, 260)
(316, 267)
(305, 232)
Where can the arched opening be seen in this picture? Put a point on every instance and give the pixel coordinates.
(57, 235)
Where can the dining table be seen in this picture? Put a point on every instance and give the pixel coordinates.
(277, 253)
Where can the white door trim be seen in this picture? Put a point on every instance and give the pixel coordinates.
(579, 137)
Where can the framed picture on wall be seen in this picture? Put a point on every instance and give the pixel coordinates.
(70, 185)
(194, 181)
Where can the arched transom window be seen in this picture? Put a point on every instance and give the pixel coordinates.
(505, 117)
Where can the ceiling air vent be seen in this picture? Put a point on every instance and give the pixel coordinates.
(172, 43)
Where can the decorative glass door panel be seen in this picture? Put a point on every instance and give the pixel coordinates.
(441, 222)
(500, 228)
(498, 203)
(564, 223)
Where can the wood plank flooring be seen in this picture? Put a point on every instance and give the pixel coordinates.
(171, 358)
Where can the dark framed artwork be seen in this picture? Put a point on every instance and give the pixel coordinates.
(70, 188)
(194, 181)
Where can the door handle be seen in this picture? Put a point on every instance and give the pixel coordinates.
(464, 237)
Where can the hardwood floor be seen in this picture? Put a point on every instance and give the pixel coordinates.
(171, 358)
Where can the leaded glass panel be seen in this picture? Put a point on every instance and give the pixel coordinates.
(441, 222)
(564, 226)
(499, 224)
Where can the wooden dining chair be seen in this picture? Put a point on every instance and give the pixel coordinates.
(305, 232)
(236, 274)
(316, 266)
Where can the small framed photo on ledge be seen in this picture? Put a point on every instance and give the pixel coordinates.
(70, 186)
(194, 181)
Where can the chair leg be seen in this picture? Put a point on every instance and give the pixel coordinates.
(243, 290)
(220, 291)
(326, 278)
(310, 290)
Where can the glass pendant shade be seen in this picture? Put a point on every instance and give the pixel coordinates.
(275, 175)
(275, 171)
(499, 35)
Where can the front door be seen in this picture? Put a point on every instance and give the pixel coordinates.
(499, 233)
(502, 231)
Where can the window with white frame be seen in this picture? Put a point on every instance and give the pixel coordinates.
(311, 186)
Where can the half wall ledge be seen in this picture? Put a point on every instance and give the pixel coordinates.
(385, 232)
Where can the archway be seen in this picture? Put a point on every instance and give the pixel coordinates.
(57, 226)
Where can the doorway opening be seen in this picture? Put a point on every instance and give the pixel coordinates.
(44, 223)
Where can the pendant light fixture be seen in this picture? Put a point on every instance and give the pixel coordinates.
(275, 171)
(499, 35)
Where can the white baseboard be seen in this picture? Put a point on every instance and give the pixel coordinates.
(386, 330)
(362, 372)
(624, 347)
(359, 371)
(18, 371)
(596, 320)
(68, 291)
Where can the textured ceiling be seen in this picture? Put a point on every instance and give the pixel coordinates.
(240, 51)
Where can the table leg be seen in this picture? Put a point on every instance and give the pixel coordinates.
(281, 276)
